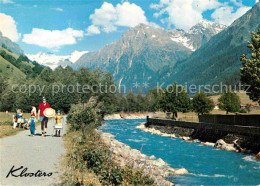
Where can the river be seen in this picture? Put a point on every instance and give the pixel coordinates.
(206, 165)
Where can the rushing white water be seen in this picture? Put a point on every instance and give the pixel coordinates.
(207, 166)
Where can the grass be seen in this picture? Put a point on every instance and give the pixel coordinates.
(10, 53)
(244, 98)
(6, 124)
(193, 117)
(12, 72)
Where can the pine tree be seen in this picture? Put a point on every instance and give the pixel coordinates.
(250, 72)
(202, 104)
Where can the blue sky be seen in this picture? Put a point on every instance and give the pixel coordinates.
(62, 26)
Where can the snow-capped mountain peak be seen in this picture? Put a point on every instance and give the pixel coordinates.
(53, 60)
(198, 35)
(206, 25)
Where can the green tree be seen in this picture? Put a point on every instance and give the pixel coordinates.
(175, 99)
(229, 101)
(122, 103)
(250, 71)
(7, 102)
(202, 104)
(141, 103)
(152, 99)
(4, 46)
(3, 85)
(132, 102)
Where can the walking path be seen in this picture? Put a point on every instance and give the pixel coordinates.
(34, 153)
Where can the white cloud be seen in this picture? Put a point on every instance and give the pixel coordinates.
(6, 1)
(52, 39)
(129, 15)
(92, 29)
(256, 1)
(8, 27)
(108, 17)
(226, 15)
(104, 17)
(183, 13)
(58, 9)
(237, 2)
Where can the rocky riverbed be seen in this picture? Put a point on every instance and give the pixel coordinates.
(154, 168)
(127, 116)
(184, 134)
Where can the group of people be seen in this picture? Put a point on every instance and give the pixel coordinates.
(21, 121)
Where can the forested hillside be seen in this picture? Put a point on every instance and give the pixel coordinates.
(13, 66)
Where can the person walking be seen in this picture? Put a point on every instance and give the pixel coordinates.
(42, 117)
(58, 126)
(32, 120)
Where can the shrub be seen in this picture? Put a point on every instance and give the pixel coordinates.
(242, 111)
(84, 115)
(116, 176)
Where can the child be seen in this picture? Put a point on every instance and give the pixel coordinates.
(19, 117)
(32, 120)
(58, 125)
(24, 123)
(15, 121)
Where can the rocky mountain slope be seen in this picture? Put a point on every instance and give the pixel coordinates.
(219, 59)
(143, 50)
(198, 35)
(10, 45)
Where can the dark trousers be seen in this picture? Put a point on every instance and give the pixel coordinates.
(44, 123)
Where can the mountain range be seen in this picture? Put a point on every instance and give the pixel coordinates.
(142, 51)
(144, 56)
(218, 60)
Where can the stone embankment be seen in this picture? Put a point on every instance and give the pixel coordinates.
(152, 167)
(180, 133)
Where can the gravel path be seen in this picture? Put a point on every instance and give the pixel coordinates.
(34, 153)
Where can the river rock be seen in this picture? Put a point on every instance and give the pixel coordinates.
(152, 157)
(158, 170)
(112, 117)
(185, 138)
(196, 141)
(181, 171)
(221, 144)
(208, 144)
(141, 126)
(257, 157)
(166, 135)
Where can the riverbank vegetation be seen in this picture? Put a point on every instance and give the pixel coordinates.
(88, 160)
